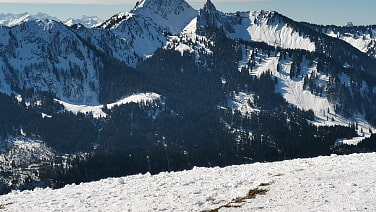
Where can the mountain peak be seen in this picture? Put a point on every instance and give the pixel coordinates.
(173, 15)
(161, 7)
(210, 17)
(209, 5)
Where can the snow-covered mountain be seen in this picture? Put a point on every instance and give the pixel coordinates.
(147, 26)
(335, 183)
(167, 87)
(17, 19)
(87, 21)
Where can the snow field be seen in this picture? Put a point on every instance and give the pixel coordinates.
(332, 183)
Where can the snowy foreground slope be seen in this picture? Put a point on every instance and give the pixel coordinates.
(335, 183)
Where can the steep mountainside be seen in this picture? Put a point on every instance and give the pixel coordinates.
(48, 56)
(165, 87)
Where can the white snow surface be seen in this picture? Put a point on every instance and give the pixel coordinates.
(332, 183)
(97, 111)
(136, 98)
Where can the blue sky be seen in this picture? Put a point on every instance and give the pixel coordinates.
(339, 12)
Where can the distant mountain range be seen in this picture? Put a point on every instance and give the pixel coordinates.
(167, 87)
(17, 19)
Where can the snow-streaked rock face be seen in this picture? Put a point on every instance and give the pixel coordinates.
(335, 183)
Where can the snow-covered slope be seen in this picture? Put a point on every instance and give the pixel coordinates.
(335, 183)
(294, 89)
(261, 26)
(361, 37)
(16, 19)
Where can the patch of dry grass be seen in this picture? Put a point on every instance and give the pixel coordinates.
(2, 206)
(252, 194)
